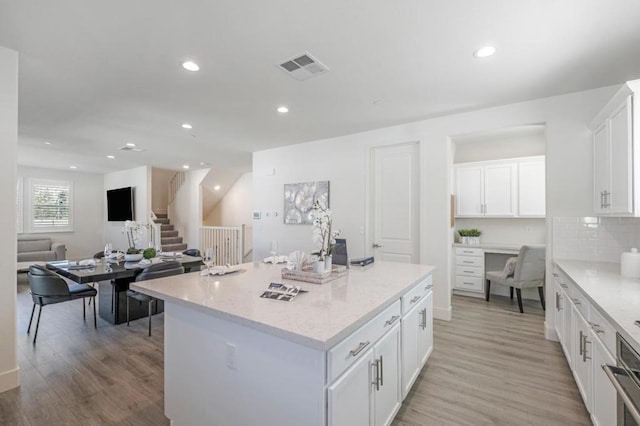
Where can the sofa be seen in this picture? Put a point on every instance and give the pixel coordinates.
(40, 249)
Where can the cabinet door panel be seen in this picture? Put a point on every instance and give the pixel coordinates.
(499, 190)
(601, 168)
(410, 325)
(620, 199)
(425, 329)
(567, 329)
(531, 188)
(558, 306)
(582, 363)
(469, 197)
(604, 394)
(350, 396)
(387, 398)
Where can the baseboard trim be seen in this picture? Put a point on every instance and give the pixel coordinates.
(442, 314)
(550, 333)
(9, 379)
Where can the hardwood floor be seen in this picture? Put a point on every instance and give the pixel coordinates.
(490, 366)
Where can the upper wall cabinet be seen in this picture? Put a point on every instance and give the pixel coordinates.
(505, 188)
(615, 154)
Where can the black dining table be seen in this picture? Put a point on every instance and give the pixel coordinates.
(113, 278)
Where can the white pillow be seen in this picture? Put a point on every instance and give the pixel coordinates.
(510, 267)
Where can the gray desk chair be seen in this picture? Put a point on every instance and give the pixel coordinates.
(157, 270)
(528, 273)
(48, 288)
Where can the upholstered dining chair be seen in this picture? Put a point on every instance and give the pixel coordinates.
(192, 252)
(529, 273)
(157, 270)
(48, 288)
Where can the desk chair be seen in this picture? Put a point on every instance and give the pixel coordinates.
(157, 270)
(48, 288)
(529, 272)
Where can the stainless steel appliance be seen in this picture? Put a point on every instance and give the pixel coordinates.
(626, 380)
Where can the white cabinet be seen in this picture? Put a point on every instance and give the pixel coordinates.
(368, 393)
(417, 340)
(603, 397)
(504, 188)
(531, 187)
(488, 190)
(558, 307)
(615, 190)
(582, 357)
(469, 269)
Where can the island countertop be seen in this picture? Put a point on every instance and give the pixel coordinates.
(319, 318)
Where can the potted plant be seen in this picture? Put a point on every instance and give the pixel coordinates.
(134, 236)
(323, 233)
(470, 236)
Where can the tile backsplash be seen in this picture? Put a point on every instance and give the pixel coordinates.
(594, 238)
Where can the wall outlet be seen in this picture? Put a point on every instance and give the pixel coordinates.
(231, 356)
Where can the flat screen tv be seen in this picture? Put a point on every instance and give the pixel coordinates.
(120, 204)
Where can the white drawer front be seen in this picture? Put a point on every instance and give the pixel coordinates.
(470, 261)
(469, 271)
(413, 296)
(464, 251)
(469, 283)
(605, 332)
(581, 302)
(345, 353)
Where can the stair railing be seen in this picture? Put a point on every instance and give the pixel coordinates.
(226, 241)
(175, 184)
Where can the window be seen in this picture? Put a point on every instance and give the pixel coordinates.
(19, 204)
(50, 205)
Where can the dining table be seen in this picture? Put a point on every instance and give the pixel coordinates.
(113, 277)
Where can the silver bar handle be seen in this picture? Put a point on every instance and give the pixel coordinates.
(584, 351)
(430, 286)
(576, 302)
(563, 285)
(557, 302)
(415, 299)
(423, 313)
(581, 343)
(381, 381)
(611, 372)
(601, 199)
(555, 274)
(376, 380)
(391, 320)
(361, 346)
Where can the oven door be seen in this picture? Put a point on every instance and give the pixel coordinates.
(628, 395)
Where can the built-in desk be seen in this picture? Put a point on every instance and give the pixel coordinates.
(471, 262)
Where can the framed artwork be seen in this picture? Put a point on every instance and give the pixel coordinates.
(299, 199)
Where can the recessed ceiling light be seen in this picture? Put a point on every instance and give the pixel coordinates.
(204, 163)
(73, 167)
(131, 144)
(484, 52)
(216, 188)
(185, 166)
(190, 66)
(47, 143)
(111, 157)
(283, 109)
(187, 126)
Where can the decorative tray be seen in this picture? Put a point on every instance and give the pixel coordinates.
(309, 276)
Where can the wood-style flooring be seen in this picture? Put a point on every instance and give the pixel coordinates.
(490, 366)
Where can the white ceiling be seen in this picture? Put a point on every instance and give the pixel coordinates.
(97, 74)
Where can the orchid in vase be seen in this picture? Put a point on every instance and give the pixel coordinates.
(323, 232)
(134, 235)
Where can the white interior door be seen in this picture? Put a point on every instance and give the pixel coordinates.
(395, 208)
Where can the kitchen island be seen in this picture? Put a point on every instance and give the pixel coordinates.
(332, 356)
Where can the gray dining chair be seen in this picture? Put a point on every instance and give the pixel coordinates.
(529, 273)
(157, 270)
(48, 288)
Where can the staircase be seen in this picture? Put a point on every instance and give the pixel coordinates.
(169, 240)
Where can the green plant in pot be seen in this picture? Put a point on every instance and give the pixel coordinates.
(470, 236)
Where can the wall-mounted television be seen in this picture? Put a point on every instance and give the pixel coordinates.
(120, 204)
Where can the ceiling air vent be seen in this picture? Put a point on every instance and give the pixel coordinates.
(302, 66)
(130, 148)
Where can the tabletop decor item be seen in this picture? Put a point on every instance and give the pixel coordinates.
(323, 233)
(469, 236)
(308, 275)
(134, 237)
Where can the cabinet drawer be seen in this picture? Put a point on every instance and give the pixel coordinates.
(581, 303)
(478, 262)
(352, 348)
(464, 251)
(603, 330)
(412, 297)
(469, 283)
(469, 271)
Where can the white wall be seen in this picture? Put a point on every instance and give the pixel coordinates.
(236, 207)
(500, 148)
(160, 179)
(9, 377)
(507, 231)
(140, 179)
(88, 210)
(343, 161)
(186, 210)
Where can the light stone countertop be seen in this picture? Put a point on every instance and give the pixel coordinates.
(492, 247)
(318, 319)
(616, 297)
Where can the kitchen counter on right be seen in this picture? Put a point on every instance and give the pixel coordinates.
(617, 298)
